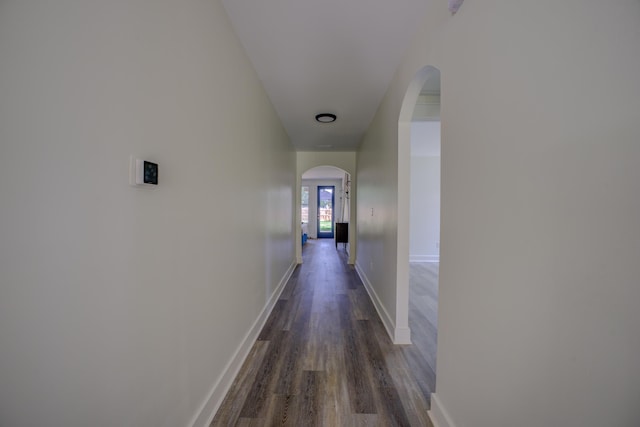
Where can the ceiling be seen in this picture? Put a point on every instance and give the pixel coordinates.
(330, 56)
(324, 172)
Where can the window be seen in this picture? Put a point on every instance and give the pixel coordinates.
(305, 204)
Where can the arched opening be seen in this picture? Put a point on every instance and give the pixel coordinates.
(325, 206)
(419, 219)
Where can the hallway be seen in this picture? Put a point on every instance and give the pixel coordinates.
(323, 358)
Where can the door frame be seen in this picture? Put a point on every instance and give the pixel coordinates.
(321, 234)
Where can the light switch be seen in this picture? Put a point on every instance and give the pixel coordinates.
(143, 172)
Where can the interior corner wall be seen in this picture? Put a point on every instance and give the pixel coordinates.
(123, 306)
(540, 203)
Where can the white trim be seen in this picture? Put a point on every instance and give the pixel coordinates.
(403, 221)
(210, 406)
(424, 258)
(384, 316)
(397, 335)
(402, 336)
(439, 416)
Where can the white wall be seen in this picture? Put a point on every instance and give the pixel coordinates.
(538, 319)
(425, 137)
(424, 216)
(313, 201)
(122, 306)
(425, 209)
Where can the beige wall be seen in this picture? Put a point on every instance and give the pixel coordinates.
(122, 306)
(538, 313)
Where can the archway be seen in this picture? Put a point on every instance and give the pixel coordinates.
(345, 162)
(424, 86)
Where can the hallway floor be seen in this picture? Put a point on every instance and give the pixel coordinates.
(324, 358)
(423, 322)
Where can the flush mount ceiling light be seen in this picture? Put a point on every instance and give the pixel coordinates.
(325, 118)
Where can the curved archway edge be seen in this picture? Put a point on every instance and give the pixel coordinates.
(402, 333)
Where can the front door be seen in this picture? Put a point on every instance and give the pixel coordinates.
(325, 211)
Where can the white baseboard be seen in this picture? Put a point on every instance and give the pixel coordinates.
(424, 258)
(397, 335)
(221, 387)
(439, 416)
(402, 336)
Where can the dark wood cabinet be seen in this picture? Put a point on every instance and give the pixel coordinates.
(342, 233)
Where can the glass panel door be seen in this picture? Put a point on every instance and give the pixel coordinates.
(304, 211)
(325, 211)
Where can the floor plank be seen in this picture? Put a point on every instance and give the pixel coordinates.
(324, 358)
(423, 322)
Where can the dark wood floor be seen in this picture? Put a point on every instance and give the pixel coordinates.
(423, 322)
(324, 358)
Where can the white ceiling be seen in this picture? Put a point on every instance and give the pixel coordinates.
(332, 56)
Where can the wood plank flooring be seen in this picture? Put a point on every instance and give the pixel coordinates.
(323, 358)
(423, 322)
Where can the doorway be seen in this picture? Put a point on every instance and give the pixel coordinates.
(344, 198)
(419, 187)
(326, 200)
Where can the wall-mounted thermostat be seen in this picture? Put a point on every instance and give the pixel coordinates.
(143, 172)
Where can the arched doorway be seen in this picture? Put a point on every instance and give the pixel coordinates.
(419, 216)
(343, 164)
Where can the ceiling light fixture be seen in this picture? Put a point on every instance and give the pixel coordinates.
(326, 118)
